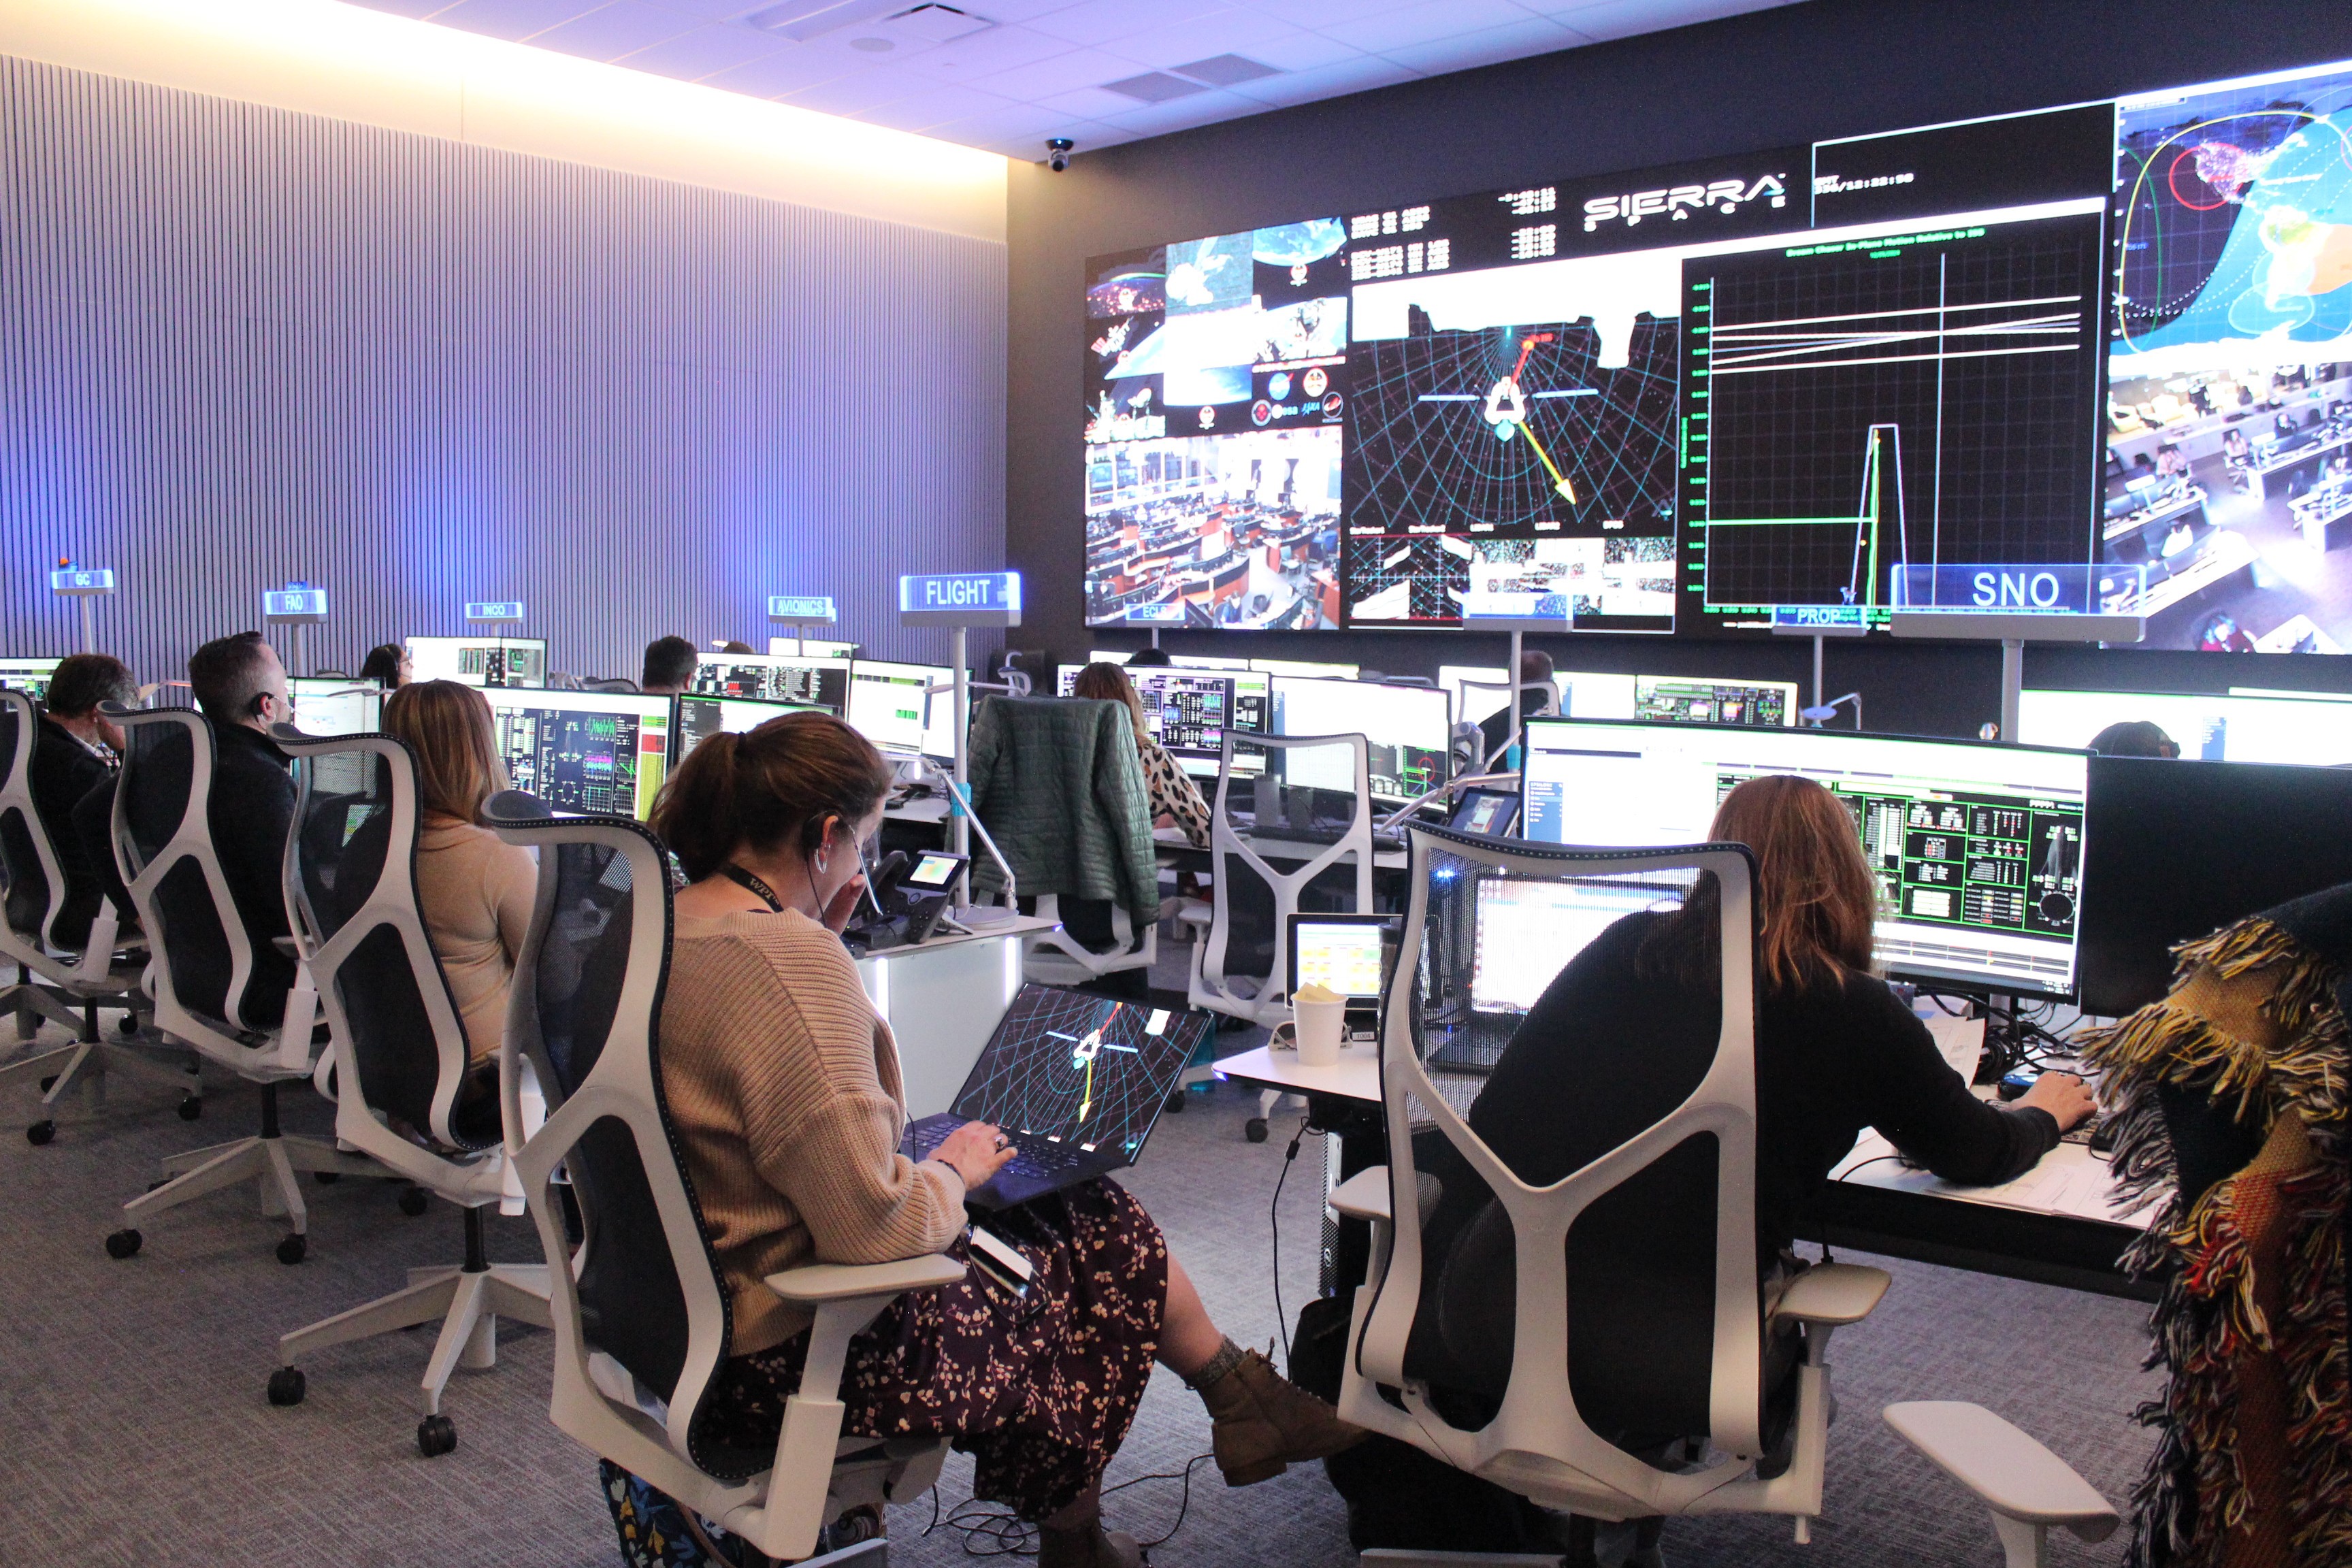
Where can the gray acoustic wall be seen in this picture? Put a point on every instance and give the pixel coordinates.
(1770, 78)
(239, 345)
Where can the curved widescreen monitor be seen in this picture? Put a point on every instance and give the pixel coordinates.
(1408, 731)
(584, 752)
(2235, 729)
(700, 716)
(479, 661)
(806, 678)
(2176, 849)
(1976, 849)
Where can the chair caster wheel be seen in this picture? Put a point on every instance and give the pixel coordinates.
(293, 1249)
(157, 1183)
(49, 1083)
(287, 1385)
(326, 1178)
(40, 1132)
(1175, 1106)
(129, 1026)
(415, 1202)
(123, 1243)
(435, 1436)
(191, 1108)
(1255, 1130)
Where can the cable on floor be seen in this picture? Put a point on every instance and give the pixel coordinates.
(1274, 1219)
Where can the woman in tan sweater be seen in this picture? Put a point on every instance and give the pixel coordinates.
(784, 1088)
(473, 890)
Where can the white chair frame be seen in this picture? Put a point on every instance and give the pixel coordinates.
(817, 1474)
(280, 1056)
(469, 1299)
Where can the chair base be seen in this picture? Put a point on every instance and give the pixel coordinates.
(87, 1063)
(270, 1161)
(468, 1303)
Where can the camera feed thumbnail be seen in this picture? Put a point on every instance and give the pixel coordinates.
(1225, 530)
(2229, 462)
(1238, 332)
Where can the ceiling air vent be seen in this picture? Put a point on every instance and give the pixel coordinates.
(1224, 70)
(1153, 87)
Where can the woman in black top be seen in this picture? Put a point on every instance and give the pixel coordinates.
(1628, 1028)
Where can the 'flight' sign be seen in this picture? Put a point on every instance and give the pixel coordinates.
(961, 598)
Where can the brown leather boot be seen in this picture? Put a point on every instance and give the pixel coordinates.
(1075, 1538)
(1262, 1422)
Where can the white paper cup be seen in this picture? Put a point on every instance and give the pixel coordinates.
(1319, 1025)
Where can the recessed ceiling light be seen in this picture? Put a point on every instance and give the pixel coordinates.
(872, 45)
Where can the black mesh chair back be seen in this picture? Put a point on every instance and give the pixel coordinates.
(34, 882)
(165, 852)
(350, 873)
(585, 1010)
(1571, 1112)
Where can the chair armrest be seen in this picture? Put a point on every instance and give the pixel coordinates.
(2011, 1473)
(1834, 1294)
(820, 1282)
(1364, 1195)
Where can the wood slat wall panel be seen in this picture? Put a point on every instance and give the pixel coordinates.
(240, 345)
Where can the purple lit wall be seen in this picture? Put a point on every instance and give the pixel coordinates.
(240, 345)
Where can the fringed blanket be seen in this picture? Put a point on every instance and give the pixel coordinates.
(2232, 1100)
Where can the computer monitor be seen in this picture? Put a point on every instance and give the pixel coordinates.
(889, 706)
(584, 751)
(325, 706)
(812, 649)
(1477, 690)
(1305, 668)
(1528, 930)
(1976, 848)
(1189, 661)
(2235, 729)
(811, 681)
(1188, 710)
(29, 676)
(1698, 699)
(700, 716)
(2176, 849)
(1410, 730)
(479, 661)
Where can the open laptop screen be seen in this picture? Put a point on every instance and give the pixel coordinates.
(1080, 1069)
(1528, 930)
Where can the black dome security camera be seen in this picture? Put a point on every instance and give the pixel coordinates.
(1058, 154)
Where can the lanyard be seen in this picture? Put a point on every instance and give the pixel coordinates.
(752, 885)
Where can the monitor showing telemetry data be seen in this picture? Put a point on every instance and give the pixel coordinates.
(2083, 360)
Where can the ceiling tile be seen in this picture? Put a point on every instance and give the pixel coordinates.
(1200, 109)
(1087, 103)
(1516, 41)
(706, 49)
(415, 9)
(710, 10)
(858, 95)
(984, 54)
(1626, 19)
(1297, 49)
(1420, 24)
(789, 69)
(611, 31)
(1321, 14)
(1018, 130)
(1359, 74)
(1061, 73)
(513, 20)
(936, 103)
(1100, 21)
(1236, 32)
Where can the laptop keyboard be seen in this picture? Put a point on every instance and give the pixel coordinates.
(1033, 1157)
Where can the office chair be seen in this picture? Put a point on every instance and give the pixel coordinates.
(202, 967)
(615, 683)
(401, 1062)
(641, 1316)
(1240, 965)
(53, 975)
(1509, 1329)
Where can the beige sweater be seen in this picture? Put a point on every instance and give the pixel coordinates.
(475, 891)
(784, 1089)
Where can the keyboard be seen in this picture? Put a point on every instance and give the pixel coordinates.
(1033, 1156)
(1322, 833)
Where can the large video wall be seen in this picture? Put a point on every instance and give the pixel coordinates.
(2095, 358)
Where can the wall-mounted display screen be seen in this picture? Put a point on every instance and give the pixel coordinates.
(1876, 373)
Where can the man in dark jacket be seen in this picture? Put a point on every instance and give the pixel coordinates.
(1535, 665)
(241, 687)
(75, 752)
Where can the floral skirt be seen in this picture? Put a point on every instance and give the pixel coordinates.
(1039, 1388)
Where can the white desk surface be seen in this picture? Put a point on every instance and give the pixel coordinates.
(1383, 859)
(923, 808)
(2069, 1182)
(1357, 1076)
(1018, 925)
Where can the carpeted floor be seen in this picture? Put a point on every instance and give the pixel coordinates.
(137, 1432)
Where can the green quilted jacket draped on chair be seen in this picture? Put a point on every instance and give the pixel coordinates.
(1057, 783)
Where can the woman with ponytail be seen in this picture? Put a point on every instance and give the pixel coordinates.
(785, 1089)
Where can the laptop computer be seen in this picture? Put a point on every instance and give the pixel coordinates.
(1526, 932)
(1075, 1082)
(1491, 811)
(1351, 954)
